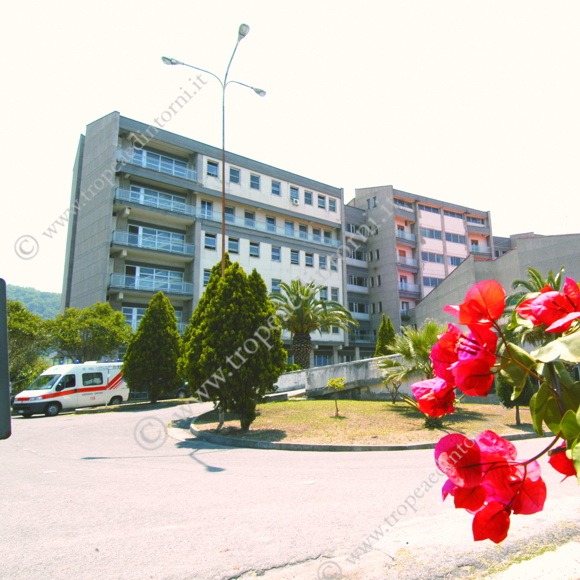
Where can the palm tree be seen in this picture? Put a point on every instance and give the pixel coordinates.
(413, 347)
(302, 312)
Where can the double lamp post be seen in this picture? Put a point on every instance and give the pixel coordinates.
(242, 32)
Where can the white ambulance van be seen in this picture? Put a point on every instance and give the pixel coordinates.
(65, 387)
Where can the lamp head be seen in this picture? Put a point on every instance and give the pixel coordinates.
(259, 92)
(243, 31)
(168, 60)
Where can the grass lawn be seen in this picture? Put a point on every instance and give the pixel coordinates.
(365, 423)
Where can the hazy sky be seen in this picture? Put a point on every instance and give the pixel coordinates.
(474, 102)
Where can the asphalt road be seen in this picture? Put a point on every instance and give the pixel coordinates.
(111, 496)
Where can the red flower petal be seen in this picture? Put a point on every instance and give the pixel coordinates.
(444, 353)
(530, 497)
(561, 462)
(491, 523)
(470, 498)
(459, 458)
(484, 303)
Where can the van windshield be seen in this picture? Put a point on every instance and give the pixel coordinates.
(43, 382)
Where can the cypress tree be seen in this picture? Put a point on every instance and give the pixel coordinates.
(150, 362)
(385, 337)
(234, 352)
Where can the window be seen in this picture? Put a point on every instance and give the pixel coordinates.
(321, 360)
(404, 306)
(324, 293)
(322, 260)
(333, 264)
(331, 204)
(316, 234)
(234, 175)
(250, 219)
(475, 220)
(309, 259)
(428, 208)
(433, 234)
(357, 280)
(255, 249)
(377, 255)
(372, 282)
(160, 163)
(374, 202)
(452, 214)
(153, 198)
(276, 254)
(427, 281)
(327, 237)
(432, 257)
(369, 203)
(233, 245)
(92, 379)
(334, 294)
(294, 193)
(359, 307)
(270, 224)
(322, 201)
(455, 260)
(303, 231)
(254, 181)
(276, 285)
(335, 329)
(380, 306)
(230, 214)
(209, 241)
(308, 197)
(294, 257)
(206, 209)
(378, 280)
(373, 308)
(67, 382)
(213, 168)
(275, 188)
(402, 203)
(206, 275)
(455, 238)
(289, 228)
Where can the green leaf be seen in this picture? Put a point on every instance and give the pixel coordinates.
(569, 425)
(566, 348)
(518, 369)
(536, 418)
(553, 415)
(575, 456)
(571, 396)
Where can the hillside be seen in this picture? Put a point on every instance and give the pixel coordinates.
(45, 304)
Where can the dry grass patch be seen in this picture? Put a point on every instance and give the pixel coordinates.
(364, 423)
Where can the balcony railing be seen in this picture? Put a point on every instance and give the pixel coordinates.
(150, 284)
(361, 315)
(150, 201)
(477, 249)
(133, 157)
(150, 242)
(406, 236)
(409, 287)
(407, 261)
(361, 337)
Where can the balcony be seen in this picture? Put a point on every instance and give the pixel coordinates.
(361, 315)
(361, 337)
(355, 262)
(357, 289)
(406, 238)
(478, 229)
(481, 250)
(160, 164)
(410, 289)
(123, 282)
(155, 243)
(406, 213)
(134, 198)
(407, 264)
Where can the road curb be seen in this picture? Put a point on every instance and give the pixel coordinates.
(248, 443)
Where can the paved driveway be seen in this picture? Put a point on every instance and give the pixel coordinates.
(109, 496)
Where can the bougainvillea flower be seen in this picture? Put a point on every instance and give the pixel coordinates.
(444, 353)
(486, 480)
(484, 303)
(434, 397)
(561, 462)
(472, 372)
(492, 522)
(557, 310)
(460, 459)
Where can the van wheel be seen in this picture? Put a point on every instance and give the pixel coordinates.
(116, 401)
(181, 394)
(52, 409)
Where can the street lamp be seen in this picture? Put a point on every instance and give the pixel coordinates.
(242, 32)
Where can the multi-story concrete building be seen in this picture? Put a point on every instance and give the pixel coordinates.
(146, 210)
(146, 216)
(413, 243)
